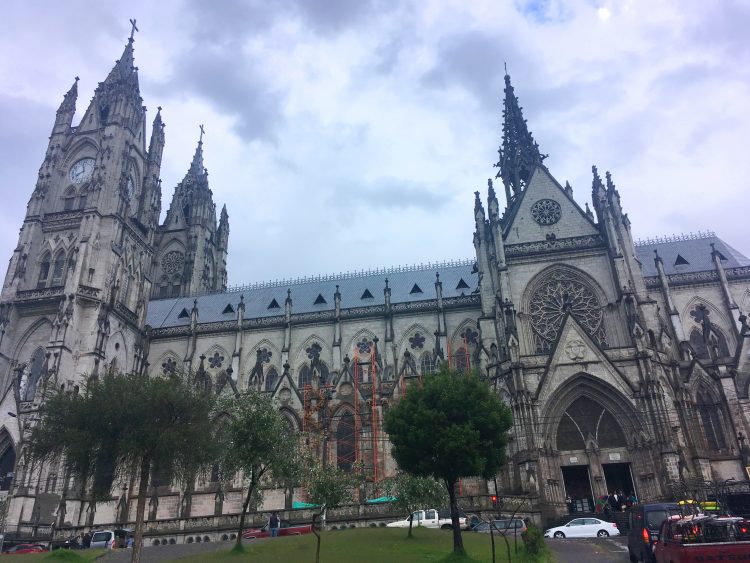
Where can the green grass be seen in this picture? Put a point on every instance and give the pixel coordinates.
(82, 556)
(370, 545)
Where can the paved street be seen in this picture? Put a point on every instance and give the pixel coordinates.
(608, 550)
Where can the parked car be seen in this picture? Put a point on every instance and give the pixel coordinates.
(645, 522)
(286, 529)
(504, 526)
(703, 538)
(429, 518)
(584, 528)
(26, 548)
(110, 539)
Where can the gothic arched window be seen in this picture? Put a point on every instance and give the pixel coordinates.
(562, 293)
(584, 419)
(346, 453)
(58, 269)
(710, 415)
(461, 360)
(427, 363)
(716, 341)
(35, 373)
(44, 267)
(69, 199)
(305, 376)
(272, 378)
(7, 463)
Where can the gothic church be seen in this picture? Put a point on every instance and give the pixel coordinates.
(625, 363)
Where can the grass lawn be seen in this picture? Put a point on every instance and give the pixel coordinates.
(81, 556)
(370, 545)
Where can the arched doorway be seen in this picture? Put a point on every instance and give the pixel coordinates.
(591, 428)
(7, 460)
(587, 426)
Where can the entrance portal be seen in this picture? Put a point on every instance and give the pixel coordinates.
(578, 487)
(618, 478)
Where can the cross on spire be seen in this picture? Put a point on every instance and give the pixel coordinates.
(202, 132)
(133, 29)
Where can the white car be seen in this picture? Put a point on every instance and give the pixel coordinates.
(584, 528)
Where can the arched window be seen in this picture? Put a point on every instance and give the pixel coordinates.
(427, 363)
(586, 418)
(44, 267)
(164, 287)
(7, 463)
(35, 372)
(272, 378)
(305, 376)
(716, 341)
(82, 200)
(710, 415)
(69, 199)
(461, 360)
(345, 450)
(176, 284)
(58, 269)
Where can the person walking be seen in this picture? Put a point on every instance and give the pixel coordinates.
(273, 525)
(569, 502)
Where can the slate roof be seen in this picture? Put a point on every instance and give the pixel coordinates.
(693, 249)
(404, 283)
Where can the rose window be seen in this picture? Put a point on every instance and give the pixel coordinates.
(417, 341)
(546, 212)
(563, 294)
(173, 262)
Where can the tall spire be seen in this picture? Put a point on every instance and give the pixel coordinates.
(66, 111)
(519, 153)
(196, 167)
(68, 104)
(124, 69)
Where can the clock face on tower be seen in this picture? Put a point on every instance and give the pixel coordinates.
(82, 170)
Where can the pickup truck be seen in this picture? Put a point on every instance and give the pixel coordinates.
(429, 518)
(701, 538)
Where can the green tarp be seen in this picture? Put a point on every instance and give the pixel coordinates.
(297, 504)
(380, 500)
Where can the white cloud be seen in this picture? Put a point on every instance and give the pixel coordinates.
(349, 135)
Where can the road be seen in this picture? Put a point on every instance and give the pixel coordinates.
(610, 550)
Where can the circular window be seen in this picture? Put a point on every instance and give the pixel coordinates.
(173, 262)
(546, 211)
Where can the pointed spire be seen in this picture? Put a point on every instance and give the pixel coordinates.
(68, 104)
(196, 167)
(492, 206)
(598, 194)
(519, 153)
(124, 69)
(224, 215)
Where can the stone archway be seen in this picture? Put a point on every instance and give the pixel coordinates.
(592, 428)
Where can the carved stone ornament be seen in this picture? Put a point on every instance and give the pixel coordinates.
(562, 293)
(575, 350)
(173, 262)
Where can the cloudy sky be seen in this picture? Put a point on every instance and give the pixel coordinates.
(349, 134)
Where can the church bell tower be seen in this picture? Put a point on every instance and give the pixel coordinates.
(74, 298)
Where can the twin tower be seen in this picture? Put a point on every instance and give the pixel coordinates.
(91, 252)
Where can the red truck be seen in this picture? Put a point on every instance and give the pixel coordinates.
(702, 539)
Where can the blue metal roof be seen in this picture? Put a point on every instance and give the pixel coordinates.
(694, 252)
(408, 284)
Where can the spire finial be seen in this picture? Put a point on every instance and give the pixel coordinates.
(200, 140)
(133, 29)
(505, 66)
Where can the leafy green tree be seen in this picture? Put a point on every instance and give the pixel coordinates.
(256, 443)
(454, 426)
(413, 492)
(329, 486)
(126, 424)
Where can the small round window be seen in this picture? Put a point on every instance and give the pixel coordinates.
(546, 211)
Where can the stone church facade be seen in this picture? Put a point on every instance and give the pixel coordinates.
(625, 363)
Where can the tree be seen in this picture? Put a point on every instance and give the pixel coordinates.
(127, 424)
(412, 492)
(453, 426)
(256, 443)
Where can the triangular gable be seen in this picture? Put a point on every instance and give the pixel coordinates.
(274, 304)
(575, 352)
(367, 295)
(462, 284)
(320, 300)
(521, 226)
(416, 289)
(286, 382)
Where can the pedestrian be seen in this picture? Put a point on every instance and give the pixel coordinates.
(86, 540)
(273, 525)
(569, 502)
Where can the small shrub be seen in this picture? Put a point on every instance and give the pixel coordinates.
(533, 540)
(373, 525)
